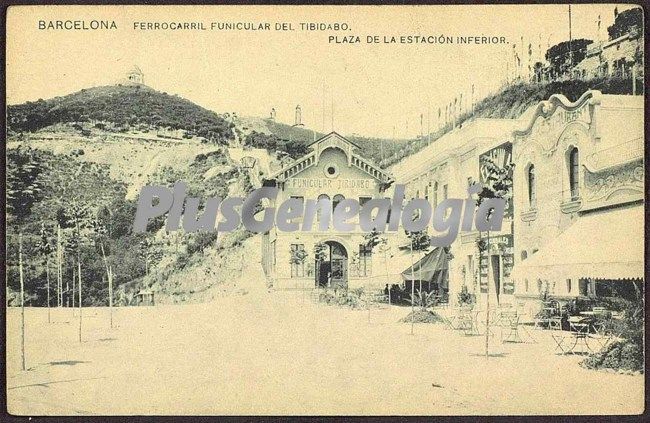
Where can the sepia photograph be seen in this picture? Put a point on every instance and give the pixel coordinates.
(345, 210)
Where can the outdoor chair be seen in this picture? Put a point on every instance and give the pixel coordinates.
(577, 335)
(555, 321)
(449, 320)
(602, 334)
(466, 321)
(509, 321)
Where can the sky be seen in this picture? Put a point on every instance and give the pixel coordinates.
(377, 89)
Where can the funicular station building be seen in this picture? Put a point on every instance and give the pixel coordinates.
(333, 169)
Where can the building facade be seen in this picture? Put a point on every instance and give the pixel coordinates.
(620, 57)
(445, 169)
(578, 196)
(333, 169)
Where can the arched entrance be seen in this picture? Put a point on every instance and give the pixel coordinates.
(333, 270)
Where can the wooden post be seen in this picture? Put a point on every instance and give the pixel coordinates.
(74, 286)
(59, 285)
(412, 292)
(109, 275)
(79, 273)
(487, 301)
(47, 278)
(386, 266)
(22, 299)
(110, 293)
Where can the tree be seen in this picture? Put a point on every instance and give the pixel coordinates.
(626, 22)
(498, 184)
(563, 56)
(24, 181)
(376, 240)
(22, 299)
(298, 256)
(79, 215)
(419, 242)
(45, 250)
(100, 232)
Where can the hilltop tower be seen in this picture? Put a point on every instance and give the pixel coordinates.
(135, 75)
(298, 120)
(272, 113)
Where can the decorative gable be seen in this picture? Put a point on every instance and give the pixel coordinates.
(336, 141)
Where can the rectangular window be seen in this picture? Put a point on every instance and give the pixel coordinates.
(365, 260)
(583, 287)
(532, 196)
(298, 260)
(568, 286)
(574, 174)
(445, 192)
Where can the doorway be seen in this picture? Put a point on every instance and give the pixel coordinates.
(333, 270)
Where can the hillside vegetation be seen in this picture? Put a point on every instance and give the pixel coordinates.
(513, 100)
(48, 190)
(123, 106)
(293, 140)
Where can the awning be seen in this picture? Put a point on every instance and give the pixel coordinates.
(604, 245)
(398, 261)
(430, 268)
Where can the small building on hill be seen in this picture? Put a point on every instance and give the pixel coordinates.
(135, 75)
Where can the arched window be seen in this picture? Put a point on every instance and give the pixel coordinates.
(524, 255)
(321, 197)
(337, 199)
(574, 173)
(532, 195)
(435, 194)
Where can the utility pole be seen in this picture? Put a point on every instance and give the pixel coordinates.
(570, 41)
(487, 301)
(79, 273)
(412, 291)
(429, 124)
(22, 299)
(332, 93)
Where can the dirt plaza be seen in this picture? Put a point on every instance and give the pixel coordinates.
(280, 353)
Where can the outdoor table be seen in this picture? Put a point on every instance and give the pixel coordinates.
(549, 311)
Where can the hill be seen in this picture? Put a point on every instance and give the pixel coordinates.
(293, 140)
(121, 107)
